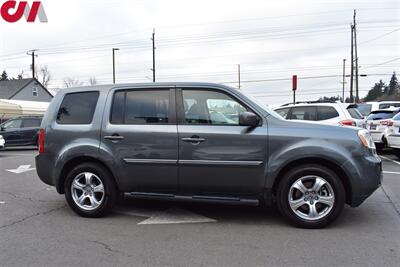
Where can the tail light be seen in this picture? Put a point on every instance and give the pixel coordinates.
(41, 141)
(387, 123)
(347, 123)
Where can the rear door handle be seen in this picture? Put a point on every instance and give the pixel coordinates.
(193, 139)
(114, 137)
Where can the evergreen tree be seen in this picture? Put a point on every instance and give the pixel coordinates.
(4, 76)
(376, 91)
(393, 87)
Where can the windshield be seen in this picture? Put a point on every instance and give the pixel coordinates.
(381, 115)
(263, 106)
(364, 109)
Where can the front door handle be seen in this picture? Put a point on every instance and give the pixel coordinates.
(114, 137)
(194, 139)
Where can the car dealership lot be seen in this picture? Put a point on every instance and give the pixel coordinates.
(38, 229)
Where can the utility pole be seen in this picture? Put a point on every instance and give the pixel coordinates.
(344, 79)
(113, 61)
(239, 86)
(32, 53)
(154, 55)
(351, 66)
(355, 54)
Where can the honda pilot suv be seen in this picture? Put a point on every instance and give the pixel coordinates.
(200, 142)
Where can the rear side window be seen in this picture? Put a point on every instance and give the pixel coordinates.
(380, 115)
(31, 122)
(364, 109)
(77, 108)
(304, 113)
(140, 107)
(283, 112)
(354, 113)
(326, 113)
(397, 117)
(388, 105)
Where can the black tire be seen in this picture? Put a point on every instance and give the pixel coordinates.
(379, 146)
(110, 190)
(291, 177)
(396, 151)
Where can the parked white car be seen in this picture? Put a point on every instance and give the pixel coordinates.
(392, 132)
(2, 142)
(366, 108)
(377, 123)
(344, 114)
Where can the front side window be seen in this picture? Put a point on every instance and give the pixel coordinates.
(304, 113)
(140, 107)
(77, 108)
(210, 107)
(12, 124)
(283, 112)
(32, 122)
(326, 113)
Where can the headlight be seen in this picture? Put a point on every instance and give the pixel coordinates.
(366, 139)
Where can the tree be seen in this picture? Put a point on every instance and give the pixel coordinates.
(43, 74)
(393, 88)
(92, 81)
(20, 75)
(72, 82)
(376, 91)
(330, 99)
(4, 76)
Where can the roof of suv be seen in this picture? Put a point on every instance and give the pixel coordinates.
(144, 85)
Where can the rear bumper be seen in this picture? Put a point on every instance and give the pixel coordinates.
(377, 137)
(44, 169)
(367, 180)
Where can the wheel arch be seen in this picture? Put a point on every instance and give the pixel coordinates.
(318, 161)
(71, 163)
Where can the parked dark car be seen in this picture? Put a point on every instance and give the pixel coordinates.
(174, 141)
(21, 131)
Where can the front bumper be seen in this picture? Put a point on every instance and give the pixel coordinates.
(366, 178)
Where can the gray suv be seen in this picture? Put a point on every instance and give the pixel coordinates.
(200, 142)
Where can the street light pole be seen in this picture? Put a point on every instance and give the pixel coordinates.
(344, 79)
(113, 61)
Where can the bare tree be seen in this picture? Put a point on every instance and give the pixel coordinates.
(20, 75)
(72, 82)
(43, 74)
(92, 81)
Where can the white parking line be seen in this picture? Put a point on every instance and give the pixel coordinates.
(391, 172)
(394, 161)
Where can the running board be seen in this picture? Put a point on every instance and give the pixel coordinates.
(199, 199)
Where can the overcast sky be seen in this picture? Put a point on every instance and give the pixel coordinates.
(205, 40)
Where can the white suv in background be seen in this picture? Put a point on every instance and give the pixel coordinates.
(392, 132)
(344, 114)
(2, 142)
(366, 108)
(377, 123)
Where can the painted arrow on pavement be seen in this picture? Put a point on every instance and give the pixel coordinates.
(169, 216)
(21, 169)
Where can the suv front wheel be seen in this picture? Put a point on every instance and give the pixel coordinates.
(90, 190)
(310, 196)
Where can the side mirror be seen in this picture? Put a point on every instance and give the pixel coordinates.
(248, 119)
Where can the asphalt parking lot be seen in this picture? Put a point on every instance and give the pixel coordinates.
(38, 229)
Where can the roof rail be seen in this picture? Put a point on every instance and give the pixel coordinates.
(309, 102)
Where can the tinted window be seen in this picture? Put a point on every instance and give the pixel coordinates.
(326, 113)
(32, 122)
(140, 107)
(355, 114)
(210, 107)
(388, 105)
(397, 117)
(77, 108)
(364, 109)
(304, 113)
(283, 112)
(380, 115)
(12, 124)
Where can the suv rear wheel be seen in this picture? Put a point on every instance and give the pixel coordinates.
(310, 196)
(90, 190)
